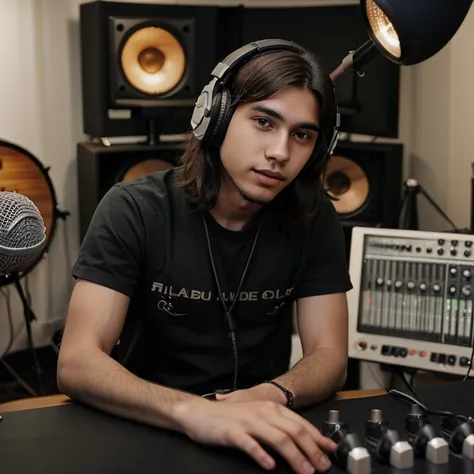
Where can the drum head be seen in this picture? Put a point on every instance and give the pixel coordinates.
(22, 172)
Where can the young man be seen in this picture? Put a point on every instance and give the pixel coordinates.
(208, 259)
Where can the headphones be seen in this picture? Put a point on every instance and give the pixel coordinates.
(213, 111)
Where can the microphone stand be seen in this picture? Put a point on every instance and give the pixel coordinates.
(409, 200)
(29, 317)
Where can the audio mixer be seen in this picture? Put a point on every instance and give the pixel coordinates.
(412, 299)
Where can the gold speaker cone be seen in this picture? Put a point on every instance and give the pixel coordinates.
(153, 60)
(145, 167)
(346, 181)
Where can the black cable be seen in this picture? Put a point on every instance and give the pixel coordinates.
(472, 356)
(411, 380)
(401, 374)
(412, 400)
(228, 311)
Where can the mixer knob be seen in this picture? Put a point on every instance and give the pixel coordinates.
(423, 286)
(408, 248)
(453, 270)
(389, 283)
(466, 273)
(379, 281)
(440, 251)
(467, 253)
(410, 285)
(466, 290)
(441, 241)
(454, 252)
(454, 243)
(398, 284)
(429, 250)
(436, 287)
(452, 289)
(468, 243)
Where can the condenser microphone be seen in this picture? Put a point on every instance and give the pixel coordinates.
(22, 233)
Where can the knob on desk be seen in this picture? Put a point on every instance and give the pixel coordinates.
(350, 454)
(385, 443)
(422, 436)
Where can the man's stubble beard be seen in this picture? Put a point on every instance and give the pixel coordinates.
(248, 197)
(252, 199)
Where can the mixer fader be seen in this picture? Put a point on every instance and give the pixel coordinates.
(412, 301)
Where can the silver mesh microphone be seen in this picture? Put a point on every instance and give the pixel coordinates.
(22, 233)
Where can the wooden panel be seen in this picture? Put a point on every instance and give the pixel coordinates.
(351, 394)
(36, 402)
(19, 173)
(55, 400)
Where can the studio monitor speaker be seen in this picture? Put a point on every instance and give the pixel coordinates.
(100, 167)
(365, 179)
(142, 61)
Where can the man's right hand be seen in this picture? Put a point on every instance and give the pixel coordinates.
(244, 425)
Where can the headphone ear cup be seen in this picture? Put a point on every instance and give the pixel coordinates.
(220, 117)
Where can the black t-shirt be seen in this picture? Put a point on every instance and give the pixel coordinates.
(147, 242)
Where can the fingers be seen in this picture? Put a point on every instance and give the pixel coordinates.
(283, 443)
(247, 444)
(310, 446)
(324, 442)
(222, 396)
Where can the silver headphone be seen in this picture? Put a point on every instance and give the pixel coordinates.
(213, 112)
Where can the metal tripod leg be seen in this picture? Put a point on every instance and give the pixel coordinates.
(408, 201)
(436, 206)
(410, 219)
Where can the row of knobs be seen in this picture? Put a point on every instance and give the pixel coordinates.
(466, 290)
(441, 251)
(410, 285)
(466, 273)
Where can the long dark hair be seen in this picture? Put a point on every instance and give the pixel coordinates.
(257, 80)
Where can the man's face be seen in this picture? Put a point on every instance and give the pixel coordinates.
(268, 143)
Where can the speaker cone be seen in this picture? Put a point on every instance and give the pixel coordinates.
(346, 181)
(153, 60)
(144, 167)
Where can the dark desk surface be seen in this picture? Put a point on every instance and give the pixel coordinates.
(74, 439)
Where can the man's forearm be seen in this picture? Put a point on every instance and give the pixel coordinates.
(98, 380)
(315, 377)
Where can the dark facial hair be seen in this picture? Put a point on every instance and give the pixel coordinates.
(247, 196)
(251, 199)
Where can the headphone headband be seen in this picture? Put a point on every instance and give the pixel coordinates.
(203, 107)
(212, 110)
(250, 51)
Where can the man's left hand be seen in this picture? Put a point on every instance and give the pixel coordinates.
(262, 392)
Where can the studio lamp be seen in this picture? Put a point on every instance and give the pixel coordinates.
(406, 32)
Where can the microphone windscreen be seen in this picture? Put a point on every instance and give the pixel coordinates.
(22, 233)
